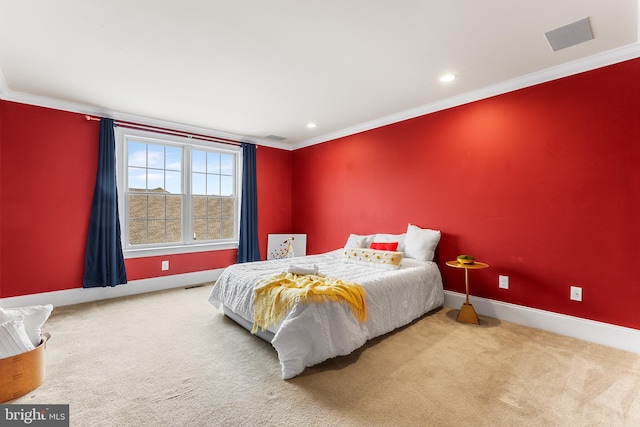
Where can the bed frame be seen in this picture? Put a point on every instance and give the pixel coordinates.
(265, 335)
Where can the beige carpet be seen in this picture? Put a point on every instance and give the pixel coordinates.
(171, 359)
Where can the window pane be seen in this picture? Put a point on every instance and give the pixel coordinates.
(155, 156)
(213, 162)
(227, 206)
(137, 179)
(156, 206)
(209, 220)
(213, 184)
(200, 229)
(173, 182)
(214, 207)
(137, 155)
(173, 158)
(198, 161)
(226, 185)
(214, 229)
(227, 228)
(227, 162)
(137, 232)
(156, 231)
(137, 206)
(198, 183)
(174, 231)
(199, 206)
(174, 207)
(155, 180)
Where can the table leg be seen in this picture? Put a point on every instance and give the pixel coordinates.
(467, 314)
(466, 283)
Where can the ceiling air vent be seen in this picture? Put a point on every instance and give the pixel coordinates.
(275, 137)
(569, 35)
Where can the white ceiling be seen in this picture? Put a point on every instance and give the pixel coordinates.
(254, 68)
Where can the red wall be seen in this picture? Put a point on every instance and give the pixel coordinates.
(274, 194)
(48, 165)
(48, 173)
(540, 183)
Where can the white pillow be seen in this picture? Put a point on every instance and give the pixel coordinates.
(355, 241)
(34, 318)
(420, 243)
(13, 338)
(389, 238)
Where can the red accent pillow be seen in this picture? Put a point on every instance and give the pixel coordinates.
(390, 246)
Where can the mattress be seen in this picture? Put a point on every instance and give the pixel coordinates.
(314, 332)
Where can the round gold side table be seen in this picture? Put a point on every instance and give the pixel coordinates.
(467, 314)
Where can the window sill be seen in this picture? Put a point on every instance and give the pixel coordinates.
(174, 250)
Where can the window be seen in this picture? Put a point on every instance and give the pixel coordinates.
(176, 194)
(212, 186)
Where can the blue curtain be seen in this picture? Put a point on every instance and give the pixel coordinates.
(248, 247)
(104, 261)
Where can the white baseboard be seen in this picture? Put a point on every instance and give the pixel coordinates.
(80, 295)
(588, 330)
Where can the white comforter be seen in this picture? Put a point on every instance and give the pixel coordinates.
(313, 333)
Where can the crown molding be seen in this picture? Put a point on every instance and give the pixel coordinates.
(611, 57)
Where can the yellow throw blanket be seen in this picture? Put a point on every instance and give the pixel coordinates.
(275, 297)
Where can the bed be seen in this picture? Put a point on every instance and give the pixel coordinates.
(311, 333)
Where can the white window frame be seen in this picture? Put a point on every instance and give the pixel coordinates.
(188, 245)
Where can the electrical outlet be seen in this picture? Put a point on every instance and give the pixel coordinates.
(165, 265)
(576, 293)
(503, 282)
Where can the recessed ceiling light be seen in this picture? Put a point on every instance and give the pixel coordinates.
(447, 78)
(311, 125)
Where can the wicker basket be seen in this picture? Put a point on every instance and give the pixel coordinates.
(22, 373)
